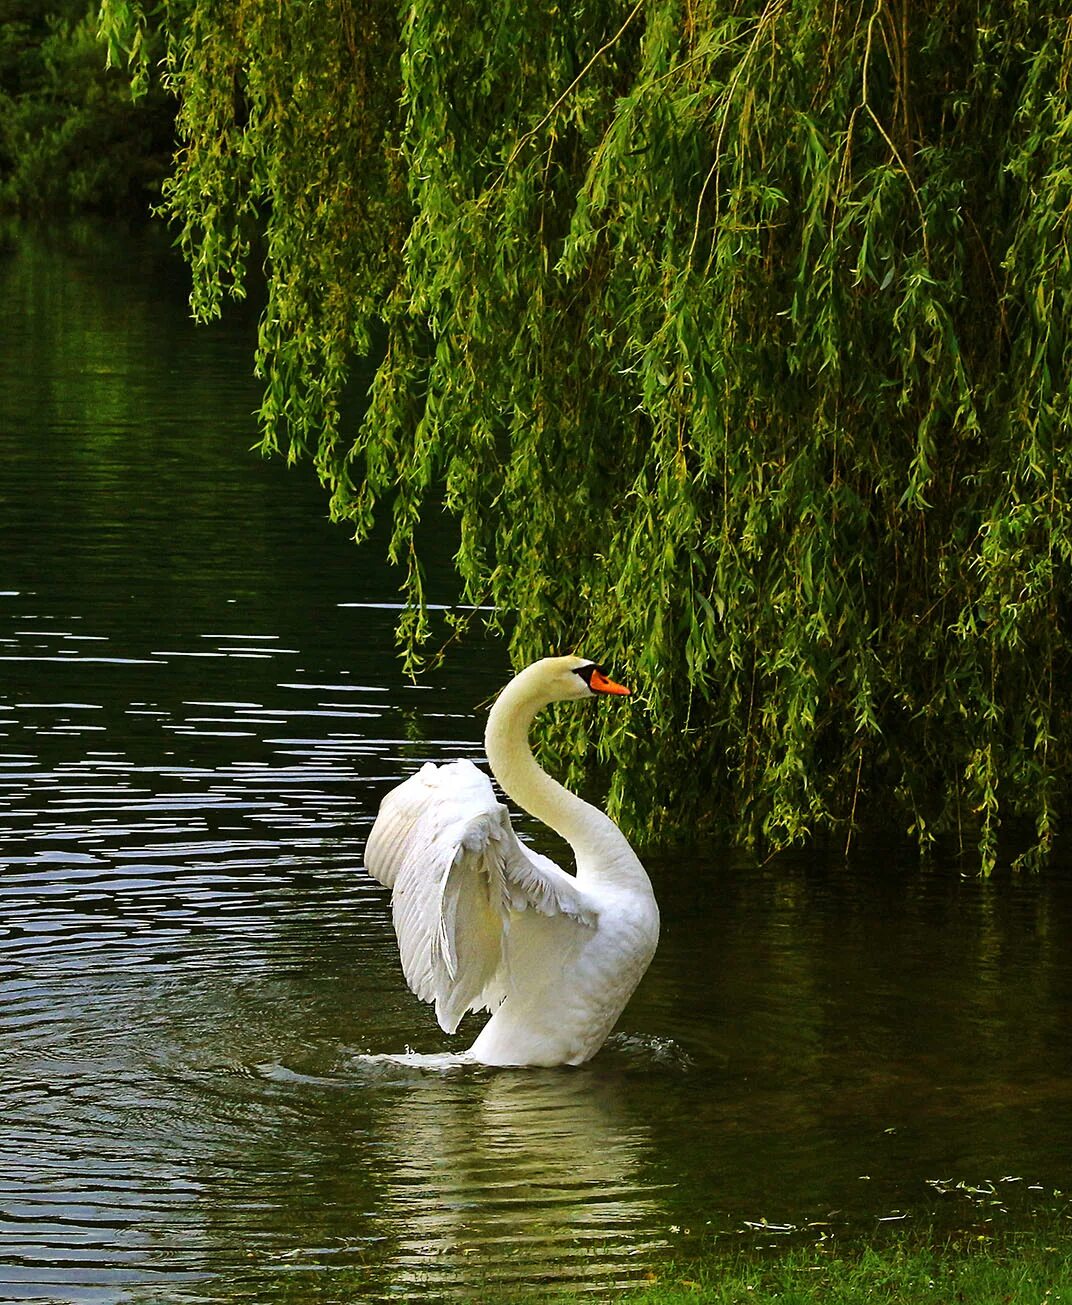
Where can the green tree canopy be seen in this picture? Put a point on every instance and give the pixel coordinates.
(734, 335)
(70, 139)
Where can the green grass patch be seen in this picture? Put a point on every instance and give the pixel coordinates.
(1032, 1268)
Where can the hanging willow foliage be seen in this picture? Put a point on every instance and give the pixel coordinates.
(734, 335)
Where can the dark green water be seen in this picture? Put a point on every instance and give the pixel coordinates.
(200, 708)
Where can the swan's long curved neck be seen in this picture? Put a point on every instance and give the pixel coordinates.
(602, 850)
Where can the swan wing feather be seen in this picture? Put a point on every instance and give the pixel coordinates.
(444, 845)
(535, 881)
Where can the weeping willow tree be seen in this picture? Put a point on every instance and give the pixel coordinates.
(733, 335)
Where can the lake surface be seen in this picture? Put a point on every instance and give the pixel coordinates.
(200, 708)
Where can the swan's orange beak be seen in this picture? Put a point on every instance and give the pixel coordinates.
(599, 683)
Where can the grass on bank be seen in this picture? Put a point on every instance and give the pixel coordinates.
(1031, 1268)
(1029, 1263)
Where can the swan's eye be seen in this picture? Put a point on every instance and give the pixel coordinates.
(586, 672)
(598, 680)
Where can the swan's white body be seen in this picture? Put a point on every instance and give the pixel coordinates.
(484, 923)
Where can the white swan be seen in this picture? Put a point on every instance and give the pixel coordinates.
(484, 923)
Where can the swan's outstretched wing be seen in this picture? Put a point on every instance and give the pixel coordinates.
(445, 847)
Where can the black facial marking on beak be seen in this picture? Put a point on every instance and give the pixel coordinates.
(599, 681)
(585, 672)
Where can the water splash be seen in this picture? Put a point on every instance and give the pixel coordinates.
(439, 1062)
(646, 1051)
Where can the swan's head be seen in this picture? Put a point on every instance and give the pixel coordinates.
(558, 679)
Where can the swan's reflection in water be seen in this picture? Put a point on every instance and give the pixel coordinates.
(531, 1178)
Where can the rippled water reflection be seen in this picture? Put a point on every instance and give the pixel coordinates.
(199, 710)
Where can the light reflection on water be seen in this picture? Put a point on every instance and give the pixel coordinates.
(200, 707)
(527, 1176)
